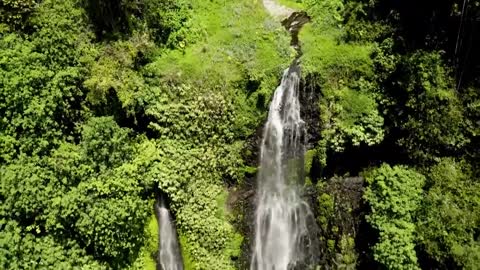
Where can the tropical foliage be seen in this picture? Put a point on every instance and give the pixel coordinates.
(105, 104)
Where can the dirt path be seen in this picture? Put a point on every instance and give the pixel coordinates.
(277, 10)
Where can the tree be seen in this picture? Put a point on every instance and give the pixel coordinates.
(42, 100)
(161, 18)
(15, 12)
(450, 215)
(23, 250)
(105, 144)
(424, 111)
(394, 195)
(90, 195)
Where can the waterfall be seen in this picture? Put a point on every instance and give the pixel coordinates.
(169, 257)
(283, 220)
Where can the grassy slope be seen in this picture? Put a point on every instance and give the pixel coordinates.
(145, 260)
(229, 44)
(227, 40)
(295, 4)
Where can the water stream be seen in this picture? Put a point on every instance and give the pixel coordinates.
(283, 220)
(169, 257)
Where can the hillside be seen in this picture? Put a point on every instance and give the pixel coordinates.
(112, 110)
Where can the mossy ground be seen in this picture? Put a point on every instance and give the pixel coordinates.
(145, 259)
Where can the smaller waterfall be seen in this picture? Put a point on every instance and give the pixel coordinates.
(169, 257)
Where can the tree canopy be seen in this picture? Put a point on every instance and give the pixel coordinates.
(106, 104)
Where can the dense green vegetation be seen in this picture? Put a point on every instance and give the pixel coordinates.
(394, 195)
(103, 104)
(397, 86)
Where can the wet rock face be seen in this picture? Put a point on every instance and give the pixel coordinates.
(310, 112)
(309, 93)
(341, 214)
(293, 24)
(295, 21)
(242, 200)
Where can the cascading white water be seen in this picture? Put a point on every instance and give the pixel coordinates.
(169, 250)
(283, 219)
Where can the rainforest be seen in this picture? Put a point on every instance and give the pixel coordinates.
(239, 134)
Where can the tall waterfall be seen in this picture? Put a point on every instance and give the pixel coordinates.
(169, 250)
(283, 220)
